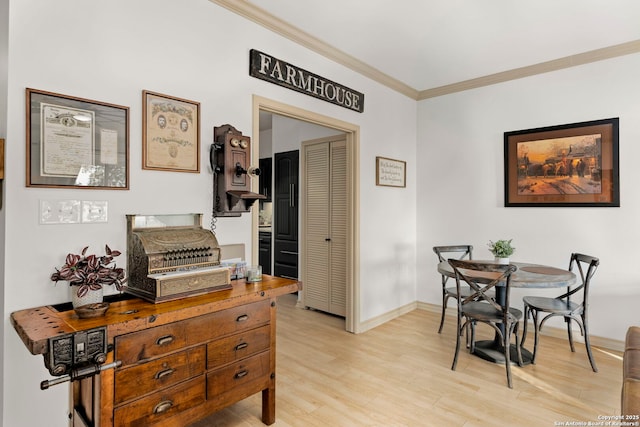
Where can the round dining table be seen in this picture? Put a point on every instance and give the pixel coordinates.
(526, 276)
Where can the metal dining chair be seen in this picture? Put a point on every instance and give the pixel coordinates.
(564, 306)
(480, 307)
(444, 253)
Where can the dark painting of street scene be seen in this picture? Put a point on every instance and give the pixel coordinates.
(570, 165)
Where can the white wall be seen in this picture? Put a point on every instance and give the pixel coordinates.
(4, 45)
(266, 149)
(460, 193)
(288, 134)
(110, 52)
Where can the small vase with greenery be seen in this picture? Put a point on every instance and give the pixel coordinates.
(91, 272)
(501, 249)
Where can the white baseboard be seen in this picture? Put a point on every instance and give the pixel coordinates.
(383, 318)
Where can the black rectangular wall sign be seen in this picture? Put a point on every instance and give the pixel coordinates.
(281, 73)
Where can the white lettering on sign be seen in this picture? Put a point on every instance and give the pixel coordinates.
(268, 68)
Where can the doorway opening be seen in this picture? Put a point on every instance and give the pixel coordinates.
(352, 135)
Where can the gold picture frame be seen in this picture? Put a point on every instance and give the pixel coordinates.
(170, 133)
(76, 142)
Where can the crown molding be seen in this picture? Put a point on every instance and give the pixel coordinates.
(265, 19)
(531, 70)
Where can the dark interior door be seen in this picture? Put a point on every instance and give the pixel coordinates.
(285, 214)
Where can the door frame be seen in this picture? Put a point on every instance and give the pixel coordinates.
(352, 135)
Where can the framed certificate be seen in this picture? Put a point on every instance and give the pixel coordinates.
(170, 133)
(76, 142)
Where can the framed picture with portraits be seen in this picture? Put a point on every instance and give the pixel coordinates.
(170, 133)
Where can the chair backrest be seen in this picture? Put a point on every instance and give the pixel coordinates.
(452, 251)
(483, 277)
(460, 251)
(586, 267)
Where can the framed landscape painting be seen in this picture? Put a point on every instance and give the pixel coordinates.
(567, 165)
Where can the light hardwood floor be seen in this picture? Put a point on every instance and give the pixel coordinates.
(399, 374)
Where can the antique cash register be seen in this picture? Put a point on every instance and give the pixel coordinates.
(171, 256)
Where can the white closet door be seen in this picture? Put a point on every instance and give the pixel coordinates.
(338, 229)
(316, 226)
(325, 254)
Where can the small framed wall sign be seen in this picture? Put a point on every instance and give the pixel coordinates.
(76, 142)
(170, 133)
(390, 172)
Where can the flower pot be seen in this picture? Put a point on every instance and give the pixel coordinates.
(502, 260)
(91, 297)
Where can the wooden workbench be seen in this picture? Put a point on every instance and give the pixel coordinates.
(181, 360)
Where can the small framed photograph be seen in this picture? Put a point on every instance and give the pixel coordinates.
(566, 165)
(76, 142)
(170, 133)
(390, 172)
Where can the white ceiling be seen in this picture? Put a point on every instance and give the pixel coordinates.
(427, 44)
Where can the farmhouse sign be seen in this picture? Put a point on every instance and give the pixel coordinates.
(273, 70)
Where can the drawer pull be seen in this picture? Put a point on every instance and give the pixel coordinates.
(167, 339)
(242, 318)
(163, 406)
(164, 373)
(241, 374)
(241, 346)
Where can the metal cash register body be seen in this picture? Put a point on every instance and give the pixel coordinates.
(171, 256)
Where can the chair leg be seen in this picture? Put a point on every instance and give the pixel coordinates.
(534, 317)
(468, 336)
(518, 346)
(472, 340)
(570, 334)
(506, 342)
(458, 334)
(445, 298)
(524, 328)
(587, 344)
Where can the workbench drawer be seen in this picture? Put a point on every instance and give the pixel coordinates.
(231, 321)
(238, 375)
(239, 346)
(139, 380)
(148, 343)
(161, 405)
